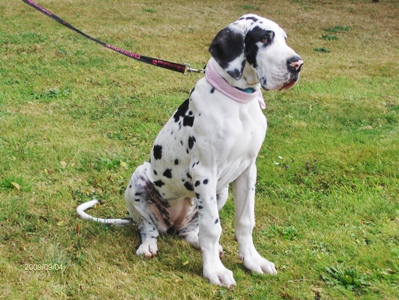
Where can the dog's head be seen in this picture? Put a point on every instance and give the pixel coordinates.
(255, 47)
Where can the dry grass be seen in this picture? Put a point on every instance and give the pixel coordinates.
(75, 120)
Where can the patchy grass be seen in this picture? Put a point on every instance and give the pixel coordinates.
(76, 119)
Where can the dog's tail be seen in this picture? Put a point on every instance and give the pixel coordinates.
(81, 212)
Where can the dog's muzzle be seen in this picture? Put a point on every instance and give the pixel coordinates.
(294, 65)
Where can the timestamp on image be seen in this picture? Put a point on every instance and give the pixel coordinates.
(44, 267)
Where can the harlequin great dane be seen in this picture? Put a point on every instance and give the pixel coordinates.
(210, 142)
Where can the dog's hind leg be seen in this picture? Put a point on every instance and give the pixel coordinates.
(137, 198)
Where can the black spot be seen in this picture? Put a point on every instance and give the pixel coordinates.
(191, 141)
(189, 176)
(188, 121)
(181, 111)
(189, 186)
(176, 162)
(200, 207)
(252, 18)
(159, 183)
(205, 181)
(254, 36)
(137, 193)
(157, 150)
(168, 173)
(137, 199)
(130, 186)
(197, 183)
(217, 220)
(263, 81)
(236, 73)
(212, 90)
(198, 196)
(155, 172)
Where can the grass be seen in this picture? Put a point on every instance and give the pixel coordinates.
(76, 119)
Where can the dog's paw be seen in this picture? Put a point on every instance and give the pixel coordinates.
(217, 274)
(258, 264)
(148, 249)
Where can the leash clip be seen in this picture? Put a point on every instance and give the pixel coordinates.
(188, 70)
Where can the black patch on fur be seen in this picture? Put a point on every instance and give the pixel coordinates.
(191, 141)
(217, 221)
(235, 73)
(197, 183)
(254, 36)
(252, 18)
(157, 150)
(227, 46)
(159, 183)
(176, 162)
(155, 172)
(189, 186)
(212, 90)
(189, 176)
(168, 173)
(200, 207)
(181, 111)
(197, 195)
(188, 121)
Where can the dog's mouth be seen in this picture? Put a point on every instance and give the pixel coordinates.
(292, 79)
(289, 81)
(289, 84)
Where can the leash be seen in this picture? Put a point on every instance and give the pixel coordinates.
(181, 68)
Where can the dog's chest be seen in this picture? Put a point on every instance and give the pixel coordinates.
(210, 131)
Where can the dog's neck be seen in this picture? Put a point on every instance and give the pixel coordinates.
(247, 80)
(234, 89)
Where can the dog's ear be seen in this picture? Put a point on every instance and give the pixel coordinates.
(228, 49)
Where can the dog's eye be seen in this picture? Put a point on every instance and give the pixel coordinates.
(265, 40)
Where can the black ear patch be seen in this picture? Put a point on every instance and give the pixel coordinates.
(227, 46)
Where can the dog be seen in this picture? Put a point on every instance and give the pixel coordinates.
(210, 142)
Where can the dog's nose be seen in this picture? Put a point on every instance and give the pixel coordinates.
(294, 64)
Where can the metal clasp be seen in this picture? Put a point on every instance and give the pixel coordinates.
(189, 70)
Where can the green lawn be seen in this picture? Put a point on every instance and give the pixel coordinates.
(76, 119)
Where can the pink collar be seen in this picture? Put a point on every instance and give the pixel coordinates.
(217, 81)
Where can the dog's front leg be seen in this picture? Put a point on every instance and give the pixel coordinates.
(209, 233)
(244, 201)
